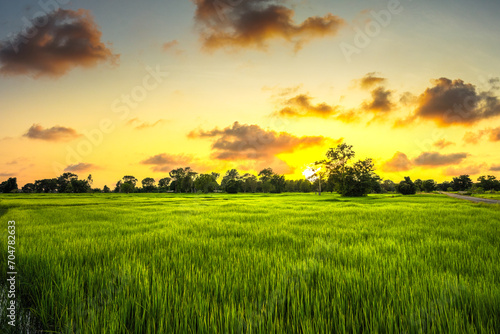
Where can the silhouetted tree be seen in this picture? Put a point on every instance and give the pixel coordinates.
(148, 184)
(461, 183)
(9, 186)
(407, 187)
(429, 186)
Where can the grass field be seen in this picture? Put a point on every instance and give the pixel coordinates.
(291, 263)
(490, 196)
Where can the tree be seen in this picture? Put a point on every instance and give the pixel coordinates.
(64, 181)
(266, 174)
(46, 185)
(429, 186)
(489, 182)
(250, 183)
(444, 186)
(419, 184)
(389, 186)
(177, 176)
(461, 183)
(28, 188)
(206, 183)
(338, 164)
(148, 184)
(278, 182)
(127, 187)
(106, 189)
(118, 187)
(349, 179)
(231, 180)
(128, 184)
(9, 186)
(163, 184)
(407, 187)
(315, 174)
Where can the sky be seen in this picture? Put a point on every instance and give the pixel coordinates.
(113, 88)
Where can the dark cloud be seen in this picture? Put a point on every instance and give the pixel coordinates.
(81, 167)
(380, 102)
(495, 168)
(398, 163)
(452, 102)
(301, 106)
(370, 80)
(251, 142)
(67, 39)
(253, 23)
(438, 159)
(7, 174)
(55, 133)
(442, 143)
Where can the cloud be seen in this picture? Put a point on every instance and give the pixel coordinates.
(55, 133)
(251, 142)
(380, 102)
(429, 159)
(7, 174)
(81, 167)
(398, 163)
(465, 170)
(370, 80)
(475, 137)
(139, 125)
(166, 162)
(454, 102)
(169, 45)
(442, 143)
(253, 23)
(495, 168)
(67, 39)
(301, 106)
(494, 134)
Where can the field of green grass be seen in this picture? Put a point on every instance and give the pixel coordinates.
(289, 263)
(490, 196)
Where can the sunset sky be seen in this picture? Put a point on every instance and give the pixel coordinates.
(114, 88)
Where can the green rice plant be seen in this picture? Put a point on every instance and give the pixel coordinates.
(255, 263)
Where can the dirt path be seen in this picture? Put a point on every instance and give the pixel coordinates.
(473, 199)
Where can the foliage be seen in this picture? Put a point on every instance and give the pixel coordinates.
(407, 187)
(9, 186)
(461, 183)
(350, 179)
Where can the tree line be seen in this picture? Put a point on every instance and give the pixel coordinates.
(337, 173)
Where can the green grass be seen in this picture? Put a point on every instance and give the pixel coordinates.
(291, 263)
(490, 196)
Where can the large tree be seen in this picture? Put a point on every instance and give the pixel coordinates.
(407, 187)
(461, 183)
(148, 184)
(350, 179)
(9, 186)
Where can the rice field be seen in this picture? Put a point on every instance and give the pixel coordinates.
(253, 263)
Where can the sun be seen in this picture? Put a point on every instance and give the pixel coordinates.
(310, 173)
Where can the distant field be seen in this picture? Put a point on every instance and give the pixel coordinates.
(290, 263)
(490, 196)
